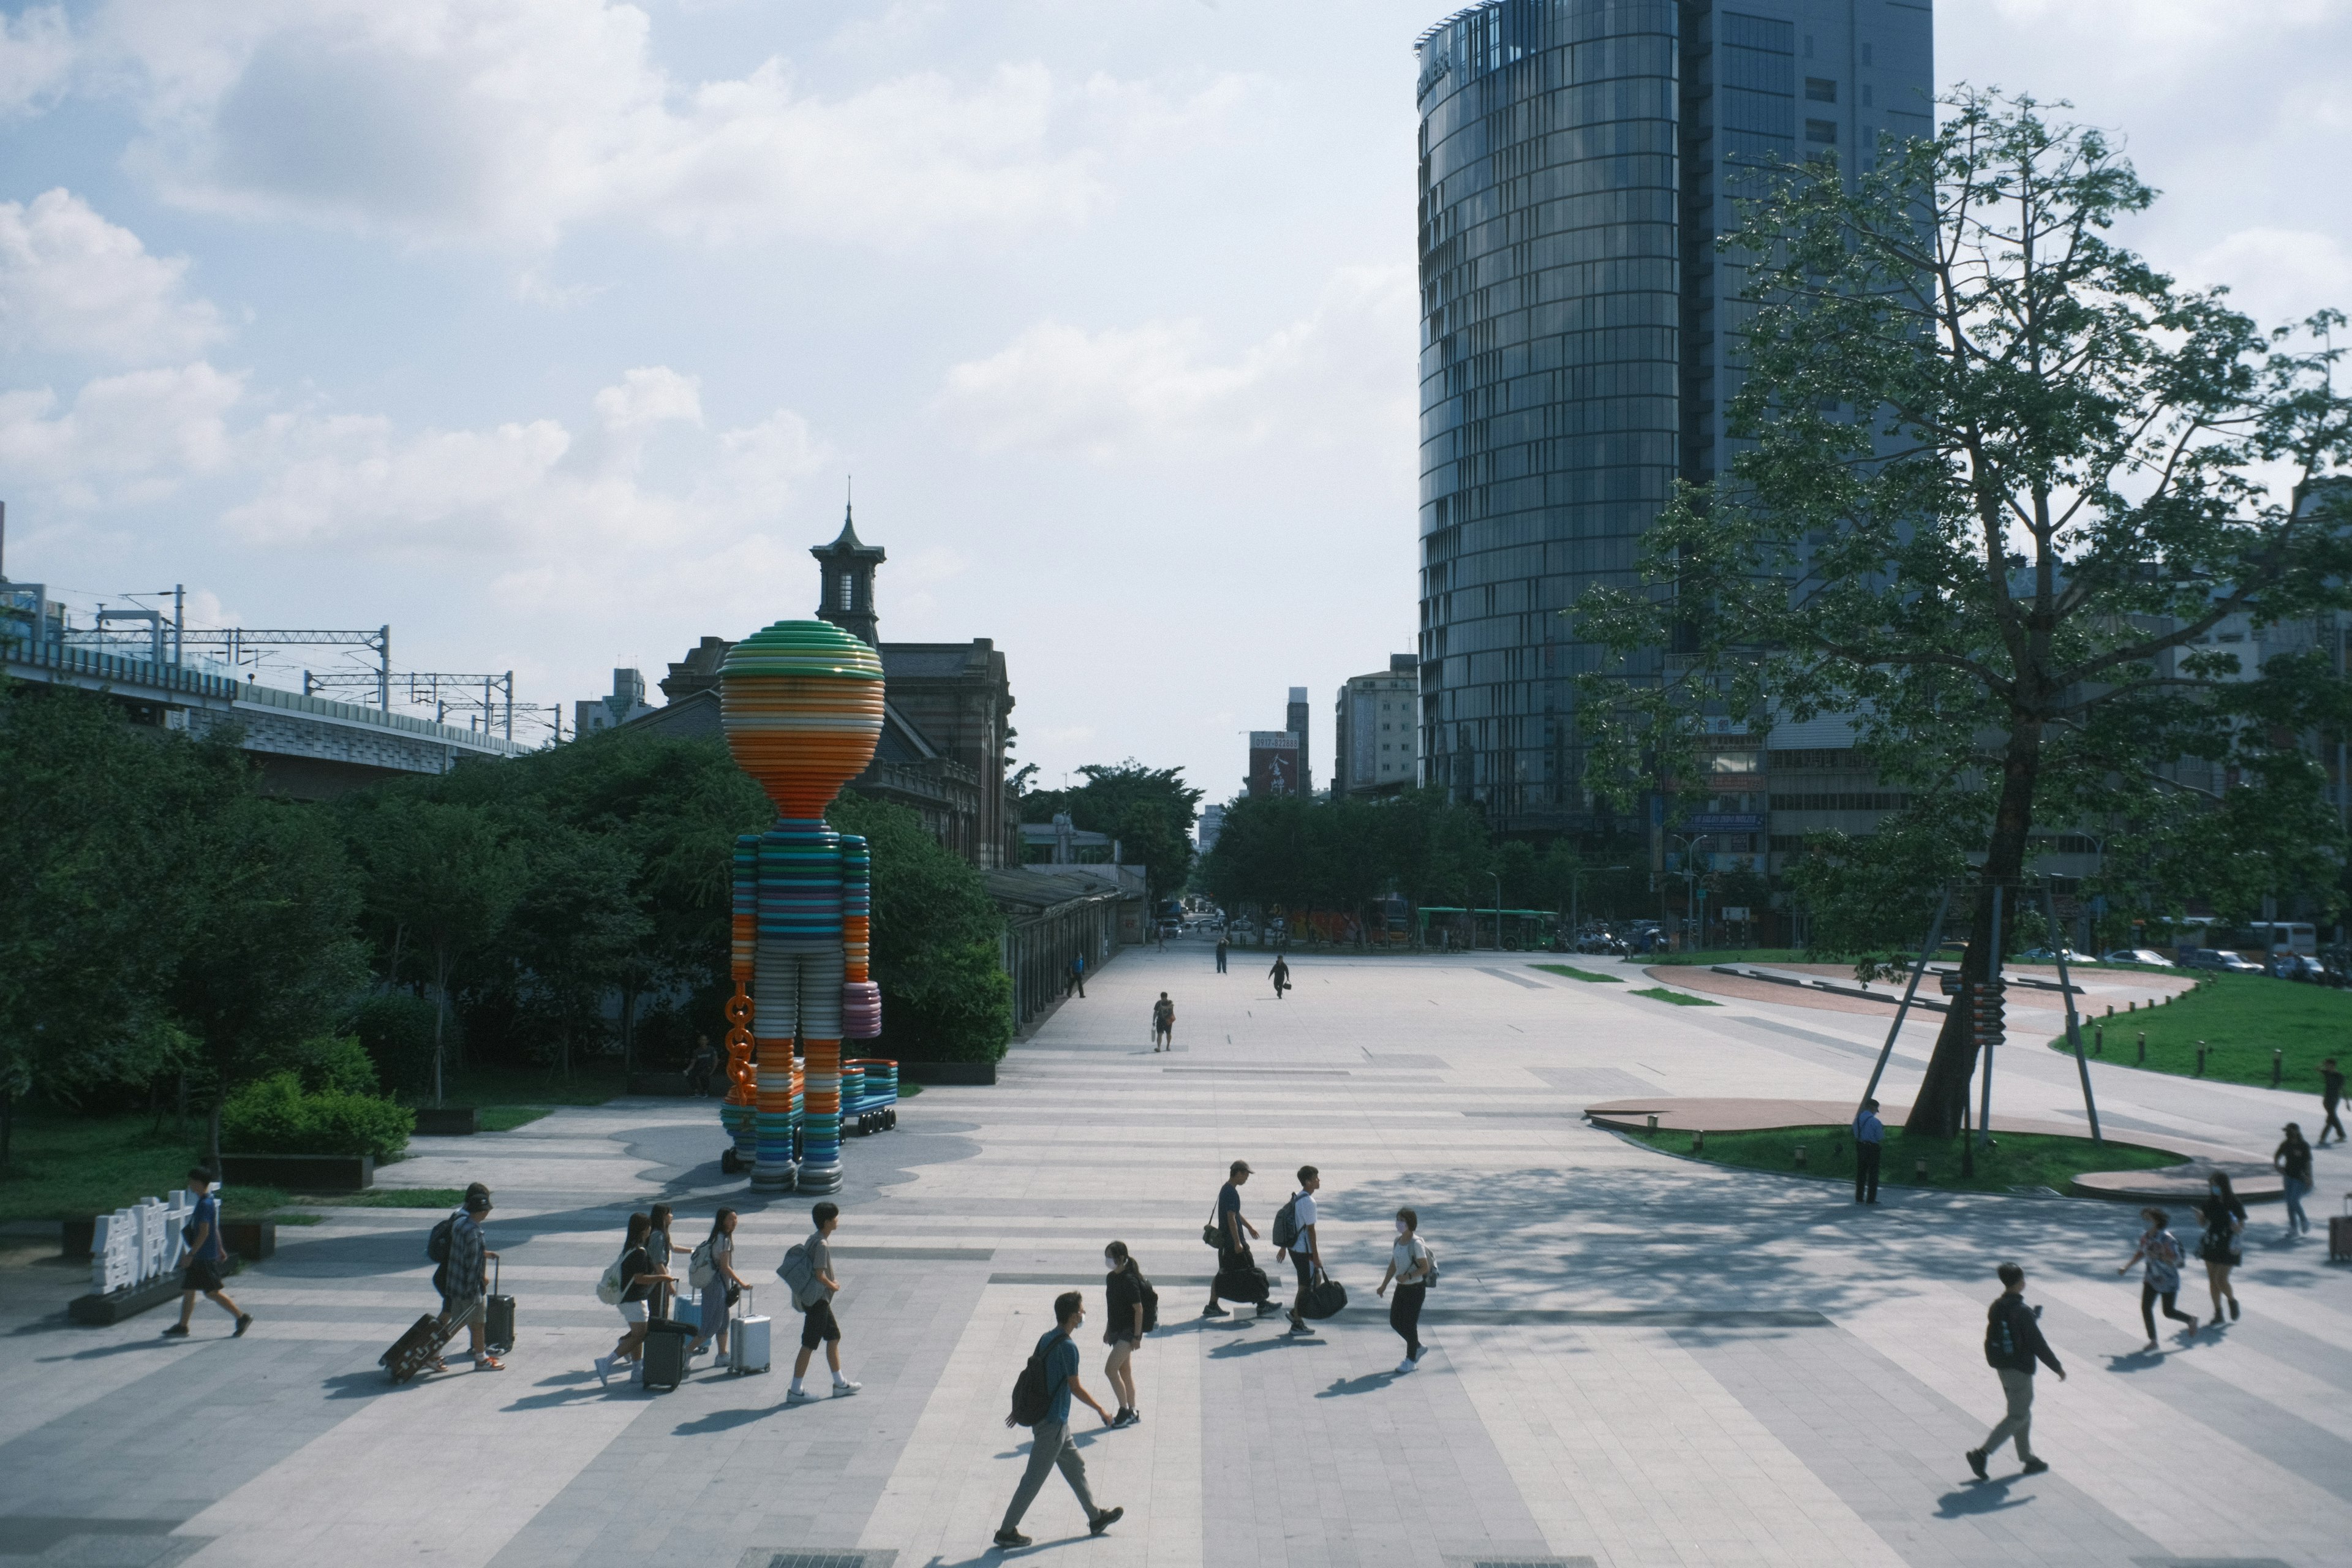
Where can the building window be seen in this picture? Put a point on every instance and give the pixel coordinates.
(846, 591)
(1866, 99)
(1822, 130)
(1866, 54)
(1821, 89)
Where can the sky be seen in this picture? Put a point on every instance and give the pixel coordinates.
(552, 332)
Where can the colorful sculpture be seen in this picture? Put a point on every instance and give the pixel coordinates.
(802, 705)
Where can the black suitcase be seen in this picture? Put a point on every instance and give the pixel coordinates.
(497, 1316)
(2339, 1234)
(666, 1343)
(1327, 1298)
(410, 1353)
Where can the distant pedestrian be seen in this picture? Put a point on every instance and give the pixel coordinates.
(2292, 1160)
(2013, 1343)
(1233, 1249)
(1296, 1236)
(818, 1326)
(639, 1280)
(1077, 981)
(463, 1280)
(2225, 1224)
(1164, 1024)
(721, 1285)
(1409, 1264)
(1869, 1143)
(1221, 952)
(1280, 974)
(1050, 1443)
(2160, 1249)
(205, 1254)
(1124, 1325)
(699, 1071)
(2331, 1095)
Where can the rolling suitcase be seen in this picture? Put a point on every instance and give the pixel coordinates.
(666, 1341)
(410, 1353)
(747, 1340)
(497, 1316)
(2339, 1234)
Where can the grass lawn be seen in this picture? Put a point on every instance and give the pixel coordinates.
(591, 1084)
(2242, 1018)
(507, 1118)
(1678, 998)
(2015, 1160)
(389, 1198)
(1580, 973)
(70, 1167)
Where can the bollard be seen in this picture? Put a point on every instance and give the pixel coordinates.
(2110, 1009)
(2142, 1048)
(2131, 1006)
(1919, 1169)
(1698, 1141)
(1654, 1122)
(1801, 1156)
(2098, 1039)
(2278, 1065)
(2201, 1058)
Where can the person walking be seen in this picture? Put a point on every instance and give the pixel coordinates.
(1221, 952)
(1280, 974)
(2161, 1251)
(700, 1070)
(2331, 1094)
(1078, 976)
(205, 1254)
(1408, 1265)
(463, 1279)
(1304, 1257)
(2225, 1223)
(2292, 1161)
(818, 1326)
(1124, 1326)
(1164, 1024)
(720, 1284)
(2013, 1343)
(1232, 1248)
(639, 1280)
(1869, 1143)
(1050, 1444)
(661, 1249)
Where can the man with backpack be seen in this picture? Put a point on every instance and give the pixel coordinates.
(2013, 1343)
(807, 1269)
(457, 1245)
(1041, 1402)
(1294, 1233)
(1869, 1143)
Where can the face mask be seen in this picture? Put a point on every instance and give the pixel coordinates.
(1109, 1261)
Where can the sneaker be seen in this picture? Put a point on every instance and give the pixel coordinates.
(798, 1396)
(1213, 1310)
(2234, 1309)
(176, 1332)
(843, 1388)
(1296, 1328)
(244, 1321)
(702, 1349)
(1105, 1520)
(1405, 1365)
(2035, 1467)
(1977, 1463)
(1267, 1309)
(604, 1370)
(1011, 1538)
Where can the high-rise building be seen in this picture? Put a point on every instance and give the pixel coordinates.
(1377, 727)
(1295, 717)
(1578, 159)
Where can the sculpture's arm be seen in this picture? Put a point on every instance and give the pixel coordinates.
(861, 999)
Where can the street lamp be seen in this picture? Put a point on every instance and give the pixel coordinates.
(1575, 885)
(1690, 879)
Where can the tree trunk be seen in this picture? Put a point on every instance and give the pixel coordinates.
(629, 1032)
(1943, 1092)
(212, 1131)
(440, 1013)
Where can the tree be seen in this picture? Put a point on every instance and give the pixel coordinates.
(571, 930)
(444, 875)
(1149, 811)
(936, 940)
(2001, 480)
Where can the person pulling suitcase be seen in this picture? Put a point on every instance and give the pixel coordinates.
(457, 1245)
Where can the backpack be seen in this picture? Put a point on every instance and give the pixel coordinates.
(610, 1287)
(1033, 1395)
(1429, 1275)
(2000, 1340)
(1286, 1225)
(1151, 1303)
(698, 1269)
(437, 1246)
(799, 1276)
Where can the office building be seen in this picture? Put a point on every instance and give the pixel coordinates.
(1376, 728)
(1295, 718)
(1577, 161)
(626, 703)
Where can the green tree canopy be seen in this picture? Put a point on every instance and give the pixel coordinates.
(1149, 811)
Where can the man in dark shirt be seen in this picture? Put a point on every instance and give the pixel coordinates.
(206, 1255)
(1221, 952)
(1869, 1143)
(1231, 1224)
(2331, 1095)
(2013, 1343)
(1050, 1444)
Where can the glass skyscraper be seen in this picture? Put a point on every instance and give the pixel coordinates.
(1577, 157)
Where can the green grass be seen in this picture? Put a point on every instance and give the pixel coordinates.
(1579, 973)
(2015, 1160)
(507, 1118)
(1677, 997)
(392, 1198)
(2242, 1018)
(589, 1084)
(65, 1166)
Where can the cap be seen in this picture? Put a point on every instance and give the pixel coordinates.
(1241, 1168)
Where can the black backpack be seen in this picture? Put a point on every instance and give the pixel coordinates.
(437, 1246)
(1286, 1225)
(1151, 1303)
(1032, 1395)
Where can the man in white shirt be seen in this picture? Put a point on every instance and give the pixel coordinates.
(1305, 1255)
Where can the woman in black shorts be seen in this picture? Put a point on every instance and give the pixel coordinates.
(1123, 1317)
(2225, 1223)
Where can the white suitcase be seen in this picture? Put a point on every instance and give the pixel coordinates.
(747, 1340)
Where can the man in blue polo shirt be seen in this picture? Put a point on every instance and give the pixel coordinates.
(1869, 1143)
(206, 1255)
(1051, 1445)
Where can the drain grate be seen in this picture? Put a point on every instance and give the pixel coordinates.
(1519, 1562)
(844, 1557)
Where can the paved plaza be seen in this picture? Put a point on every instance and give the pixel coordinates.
(1636, 1359)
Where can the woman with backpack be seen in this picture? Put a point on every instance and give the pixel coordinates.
(1412, 1267)
(2161, 1251)
(2225, 1222)
(712, 1270)
(1130, 1306)
(629, 1284)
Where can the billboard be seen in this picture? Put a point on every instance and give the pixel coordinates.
(1274, 763)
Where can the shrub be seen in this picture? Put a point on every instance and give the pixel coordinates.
(330, 1064)
(275, 1116)
(396, 1029)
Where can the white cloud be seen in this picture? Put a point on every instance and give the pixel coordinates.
(72, 282)
(126, 439)
(1344, 373)
(513, 121)
(37, 58)
(2276, 275)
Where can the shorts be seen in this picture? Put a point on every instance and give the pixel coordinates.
(636, 1311)
(1306, 1267)
(1114, 1339)
(203, 1274)
(817, 1326)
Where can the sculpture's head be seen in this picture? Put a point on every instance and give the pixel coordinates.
(802, 705)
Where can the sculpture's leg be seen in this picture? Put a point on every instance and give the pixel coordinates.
(777, 1007)
(739, 1112)
(821, 976)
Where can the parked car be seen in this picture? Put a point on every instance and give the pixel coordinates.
(2302, 966)
(2219, 958)
(2047, 955)
(2143, 955)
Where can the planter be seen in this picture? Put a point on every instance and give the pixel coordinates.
(76, 1237)
(948, 1072)
(672, 1084)
(447, 1121)
(123, 1305)
(301, 1172)
(251, 1239)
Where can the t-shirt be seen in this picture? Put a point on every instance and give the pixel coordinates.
(1305, 1211)
(2294, 1162)
(1229, 1213)
(1868, 1129)
(1061, 1366)
(657, 1247)
(1407, 1255)
(207, 1219)
(820, 1259)
(634, 1262)
(2331, 1087)
(723, 1247)
(1163, 1013)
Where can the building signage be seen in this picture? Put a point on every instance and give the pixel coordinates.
(1725, 821)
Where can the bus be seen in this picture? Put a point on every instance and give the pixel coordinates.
(2283, 936)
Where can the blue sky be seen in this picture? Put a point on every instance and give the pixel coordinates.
(548, 330)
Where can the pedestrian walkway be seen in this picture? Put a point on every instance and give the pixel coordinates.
(1634, 1359)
